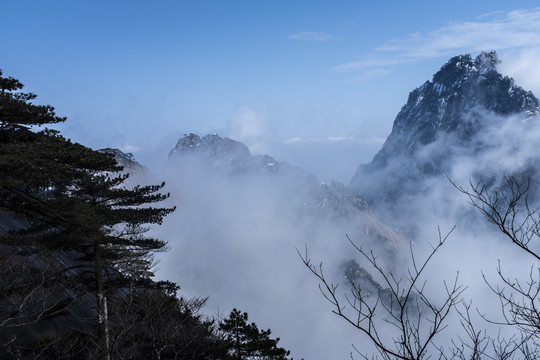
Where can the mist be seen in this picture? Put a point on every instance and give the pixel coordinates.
(237, 233)
(475, 248)
(235, 238)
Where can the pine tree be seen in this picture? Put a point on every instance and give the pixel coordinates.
(73, 200)
(246, 341)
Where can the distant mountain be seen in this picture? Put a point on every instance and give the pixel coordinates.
(126, 160)
(443, 119)
(231, 156)
(215, 156)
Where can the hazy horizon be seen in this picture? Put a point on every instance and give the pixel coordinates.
(298, 81)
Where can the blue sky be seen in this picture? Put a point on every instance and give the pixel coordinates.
(315, 83)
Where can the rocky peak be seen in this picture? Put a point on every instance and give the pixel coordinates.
(460, 67)
(126, 160)
(212, 146)
(461, 85)
(231, 157)
(464, 97)
(487, 60)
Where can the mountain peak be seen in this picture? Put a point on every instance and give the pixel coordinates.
(223, 153)
(211, 146)
(126, 160)
(461, 67)
(466, 96)
(487, 60)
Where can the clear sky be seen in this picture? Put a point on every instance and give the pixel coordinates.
(315, 83)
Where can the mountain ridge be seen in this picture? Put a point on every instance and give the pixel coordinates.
(212, 155)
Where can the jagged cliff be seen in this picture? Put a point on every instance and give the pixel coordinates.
(443, 117)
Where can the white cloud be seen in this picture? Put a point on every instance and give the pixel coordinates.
(313, 36)
(339, 138)
(334, 139)
(495, 31)
(523, 67)
(368, 62)
(294, 140)
(249, 127)
(129, 148)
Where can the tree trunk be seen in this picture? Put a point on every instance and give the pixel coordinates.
(102, 313)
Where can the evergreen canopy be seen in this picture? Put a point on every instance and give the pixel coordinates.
(246, 341)
(73, 199)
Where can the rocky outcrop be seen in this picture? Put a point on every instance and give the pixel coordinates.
(126, 160)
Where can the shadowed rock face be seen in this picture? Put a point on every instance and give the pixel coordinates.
(464, 98)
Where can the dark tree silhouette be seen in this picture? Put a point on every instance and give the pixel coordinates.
(73, 200)
(246, 341)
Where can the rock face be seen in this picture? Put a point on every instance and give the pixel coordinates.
(138, 173)
(466, 97)
(210, 146)
(229, 155)
(126, 160)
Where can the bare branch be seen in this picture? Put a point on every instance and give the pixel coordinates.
(403, 304)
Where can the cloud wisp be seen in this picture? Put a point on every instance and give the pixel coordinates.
(234, 238)
(249, 126)
(334, 139)
(514, 30)
(505, 146)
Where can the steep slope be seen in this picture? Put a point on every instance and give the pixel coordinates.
(443, 118)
